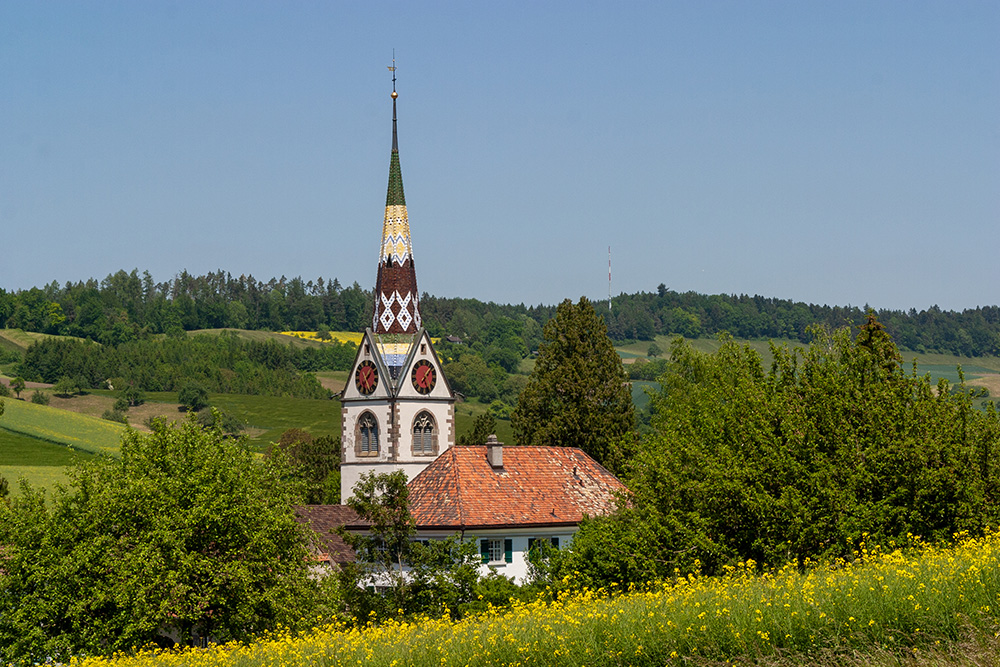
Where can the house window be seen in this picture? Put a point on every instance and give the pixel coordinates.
(542, 542)
(424, 435)
(367, 435)
(423, 348)
(497, 550)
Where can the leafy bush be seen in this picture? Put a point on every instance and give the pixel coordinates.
(40, 398)
(115, 415)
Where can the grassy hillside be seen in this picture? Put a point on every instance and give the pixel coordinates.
(261, 336)
(60, 427)
(18, 340)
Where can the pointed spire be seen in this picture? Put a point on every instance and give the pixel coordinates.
(396, 309)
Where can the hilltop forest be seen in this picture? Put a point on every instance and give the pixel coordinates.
(125, 306)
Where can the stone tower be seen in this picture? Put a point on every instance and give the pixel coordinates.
(398, 409)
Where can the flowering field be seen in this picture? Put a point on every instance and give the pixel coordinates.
(335, 336)
(896, 603)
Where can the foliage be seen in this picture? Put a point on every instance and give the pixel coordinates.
(39, 397)
(225, 363)
(578, 394)
(882, 608)
(4, 390)
(483, 427)
(17, 385)
(66, 387)
(381, 501)
(133, 395)
(116, 414)
(221, 420)
(3, 482)
(832, 445)
(125, 306)
(428, 577)
(187, 532)
(193, 396)
(316, 462)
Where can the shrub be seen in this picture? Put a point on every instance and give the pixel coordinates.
(114, 415)
(39, 398)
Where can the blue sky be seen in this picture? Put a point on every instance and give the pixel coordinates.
(838, 153)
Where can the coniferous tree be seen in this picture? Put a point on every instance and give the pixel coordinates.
(578, 394)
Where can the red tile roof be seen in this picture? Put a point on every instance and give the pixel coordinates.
(324, 521)
(536, 486)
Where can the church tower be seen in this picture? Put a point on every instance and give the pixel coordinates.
(398, 411)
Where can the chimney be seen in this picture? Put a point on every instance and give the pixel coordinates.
(494, 452)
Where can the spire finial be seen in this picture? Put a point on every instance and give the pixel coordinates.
(392, 68)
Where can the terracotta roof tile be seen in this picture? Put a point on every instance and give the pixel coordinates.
(536, 486)
(324, 521)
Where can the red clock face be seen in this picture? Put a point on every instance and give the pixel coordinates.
(423, 376)
(366, 377)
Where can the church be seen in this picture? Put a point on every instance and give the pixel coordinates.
(398, 413)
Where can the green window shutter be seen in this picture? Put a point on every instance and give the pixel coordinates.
(484, 550)
(555, 542)
(508, 551)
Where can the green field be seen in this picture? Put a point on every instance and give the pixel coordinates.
(261, 336)
(938, 365)
(61, 427)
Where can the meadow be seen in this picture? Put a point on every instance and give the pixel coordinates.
(880, 608)
(60, 427)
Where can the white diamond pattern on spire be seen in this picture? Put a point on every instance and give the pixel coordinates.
(387, 318)
(404, 318)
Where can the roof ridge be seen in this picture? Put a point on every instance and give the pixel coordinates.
(458, 487)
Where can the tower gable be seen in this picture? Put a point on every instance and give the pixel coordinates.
(422, 375)
(358, 380)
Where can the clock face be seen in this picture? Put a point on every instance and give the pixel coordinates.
(423, 376)
(366, 377)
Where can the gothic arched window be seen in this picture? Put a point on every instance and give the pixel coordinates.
(367, 435)
(424, 435)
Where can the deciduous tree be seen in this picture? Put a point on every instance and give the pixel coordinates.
(831, 446)
(187, 533)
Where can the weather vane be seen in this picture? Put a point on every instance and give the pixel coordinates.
(392, 68)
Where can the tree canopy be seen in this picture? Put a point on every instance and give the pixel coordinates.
(830, 447)
(187, 535)
(578, 394)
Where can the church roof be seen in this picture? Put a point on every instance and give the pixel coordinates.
(396, 310)
(324, 520)
(536, 486)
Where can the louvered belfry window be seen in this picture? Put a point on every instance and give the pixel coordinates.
(423, 434)
(369, 434)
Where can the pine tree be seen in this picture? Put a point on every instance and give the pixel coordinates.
(578, 394)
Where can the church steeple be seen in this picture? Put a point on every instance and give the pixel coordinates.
(397, 410)
(396, 310)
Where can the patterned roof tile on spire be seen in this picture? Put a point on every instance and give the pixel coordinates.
(396, 308)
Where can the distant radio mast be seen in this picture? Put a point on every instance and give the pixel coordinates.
(609, 279)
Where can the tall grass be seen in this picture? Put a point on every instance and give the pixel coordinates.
(887, 604)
